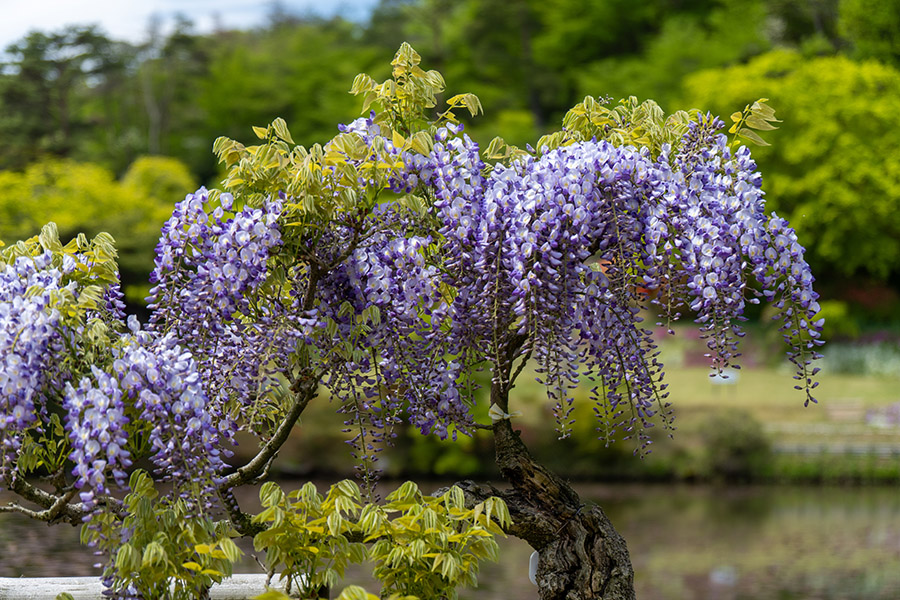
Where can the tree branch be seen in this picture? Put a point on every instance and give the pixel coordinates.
(56, 508)
(48, 514)
(306, 391)
(241, 521)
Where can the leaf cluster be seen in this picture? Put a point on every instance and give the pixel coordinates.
(629, 122)
(403, 103)
(758, 116)
(641, 124)
(432, 545)
(306, 535)
(421, 546)
(163, 550)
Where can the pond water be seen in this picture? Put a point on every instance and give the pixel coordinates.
(686, 543)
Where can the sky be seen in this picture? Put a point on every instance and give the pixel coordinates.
(128, 19)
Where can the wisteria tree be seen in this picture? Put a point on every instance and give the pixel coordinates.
(385, 270)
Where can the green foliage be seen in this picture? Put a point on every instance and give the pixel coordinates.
(422, 546)
(402, 102)
(873, 27)
(828, 171)
(433, 544)
(306, 536)
(839, 321)
(85, 197)
(168, 552)
(161, 179)
(628, 123)
(298, 70)
(354, 592)
(42, 91)
(682, 39)
(736, 446)
(74, 195)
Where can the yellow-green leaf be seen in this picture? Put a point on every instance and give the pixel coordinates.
(753, 137)
(758, 123)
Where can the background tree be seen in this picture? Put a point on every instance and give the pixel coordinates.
(826, 169)
(872, 28)
(43, 87)
(86, 198)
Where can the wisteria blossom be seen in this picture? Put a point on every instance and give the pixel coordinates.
(28, 339)
(210, 263)
(566, 249)
(96, 423)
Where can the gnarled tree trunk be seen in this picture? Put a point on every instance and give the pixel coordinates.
(582, 557)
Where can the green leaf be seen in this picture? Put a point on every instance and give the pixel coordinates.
(230, 549)
(353, 592)
(154, 554)
(753, 137)
(271, 594)
(202, 549)
(49, 237)
(127, 559)
(422, 142)
(758, 123)
(281, 130)
(764, 110)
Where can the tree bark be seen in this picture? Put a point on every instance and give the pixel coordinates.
(582, 557)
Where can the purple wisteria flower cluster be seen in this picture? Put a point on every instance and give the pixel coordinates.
(142, 390)
(29, 340)
(154, 385)
(210, 266)
(164, 382)
(566, 248)
(96, 424)
(206, 264)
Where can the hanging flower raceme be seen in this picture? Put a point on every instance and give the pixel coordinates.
(29, 342)
(206, 264)
(567, 248)
(153, 391)
(163, 381)
(210, 261)
(96, 423)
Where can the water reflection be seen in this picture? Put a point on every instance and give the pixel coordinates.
(686, 543)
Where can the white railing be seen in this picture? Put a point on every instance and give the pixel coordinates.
(236, 587)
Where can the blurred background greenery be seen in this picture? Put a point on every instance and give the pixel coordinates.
(100, 134)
